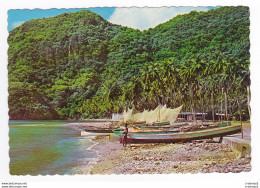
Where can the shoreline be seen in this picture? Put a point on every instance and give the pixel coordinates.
(191, 157)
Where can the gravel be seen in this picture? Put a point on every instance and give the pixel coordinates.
(196, 157)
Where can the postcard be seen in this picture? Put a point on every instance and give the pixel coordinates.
(113, 90)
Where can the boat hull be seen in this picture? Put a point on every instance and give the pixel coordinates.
(99, 130)
(140, 130)
(182, 137)
(84, 133)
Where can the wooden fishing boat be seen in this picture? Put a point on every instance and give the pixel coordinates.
(180, 136)
(94, 134)
(163, 125)
(224, 124)
(100, 130)
(138, 130)
(119, 132)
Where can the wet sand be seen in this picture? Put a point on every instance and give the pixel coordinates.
(193, 157)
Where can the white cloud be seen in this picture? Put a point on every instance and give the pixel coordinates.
(16, 24)
(144, 18)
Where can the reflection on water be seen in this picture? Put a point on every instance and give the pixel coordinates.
(47, 147)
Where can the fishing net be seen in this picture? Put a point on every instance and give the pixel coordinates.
(164, 114)
(143, 118)
(160, 114)
(153, 116)
(136, 117)
(127, 115)
(172, 114)
(117, 117)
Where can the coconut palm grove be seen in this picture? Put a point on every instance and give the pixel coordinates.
(78, 65)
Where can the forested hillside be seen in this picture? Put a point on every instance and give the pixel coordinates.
(78, 65)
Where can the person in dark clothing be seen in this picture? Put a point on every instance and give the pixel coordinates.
(125, 135)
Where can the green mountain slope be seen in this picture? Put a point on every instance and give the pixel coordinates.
(52, 59)
(225, 30)
(78, 65)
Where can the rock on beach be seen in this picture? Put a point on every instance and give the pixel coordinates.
(196, 157)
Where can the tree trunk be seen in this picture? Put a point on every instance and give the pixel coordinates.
(192, 103)
(69, 47)
(221, 106)
(203, 116)
(248, 102)
(226, 107)
(213, 113)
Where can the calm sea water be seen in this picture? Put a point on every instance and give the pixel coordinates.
(48, 147)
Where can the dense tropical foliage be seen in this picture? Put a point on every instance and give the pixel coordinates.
(78, 65)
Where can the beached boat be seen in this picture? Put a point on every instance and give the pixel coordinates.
(139, 130)
(100, 130)
(181, 136)
(165, 126)
(132, 130)
(225, 124)
(161, 123)
(94, 134)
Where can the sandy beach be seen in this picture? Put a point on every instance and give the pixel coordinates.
(194, 157)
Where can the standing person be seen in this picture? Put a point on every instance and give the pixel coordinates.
(125, 135)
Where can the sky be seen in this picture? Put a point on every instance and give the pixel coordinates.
(137, 18)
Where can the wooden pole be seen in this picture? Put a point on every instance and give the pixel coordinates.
(240, 116)
(221, 106)
(159, 112)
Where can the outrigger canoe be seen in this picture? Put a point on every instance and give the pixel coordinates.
(180, 136)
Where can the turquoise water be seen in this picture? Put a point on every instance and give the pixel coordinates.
(47, 147)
